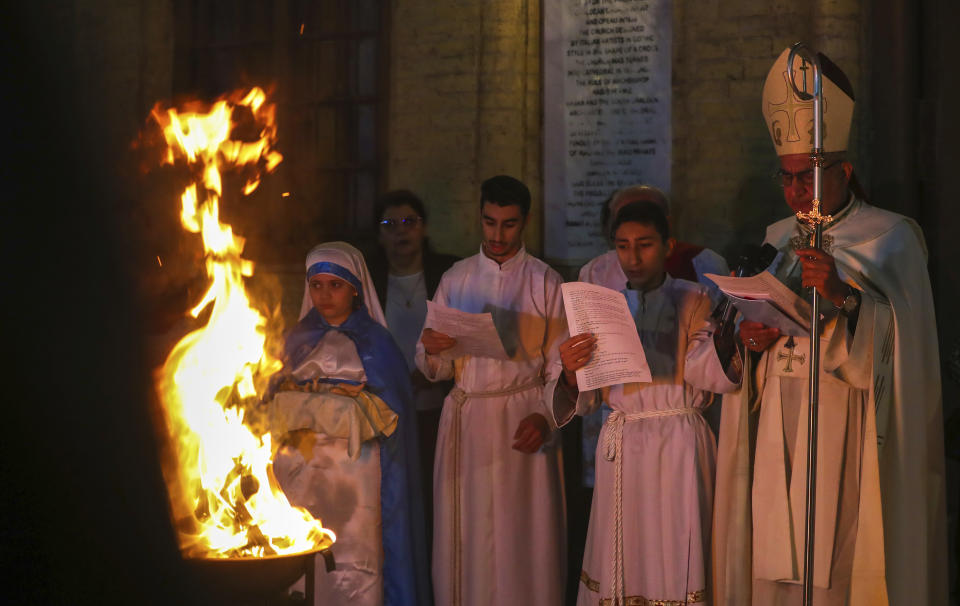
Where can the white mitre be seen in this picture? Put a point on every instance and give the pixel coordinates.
(790, 120)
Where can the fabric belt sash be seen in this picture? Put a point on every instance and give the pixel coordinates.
(460, 397)
(613, 445)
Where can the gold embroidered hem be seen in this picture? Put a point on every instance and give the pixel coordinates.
(591, 584)
(694, 597)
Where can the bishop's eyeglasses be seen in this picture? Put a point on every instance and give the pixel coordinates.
(785, 178)
(393, 224)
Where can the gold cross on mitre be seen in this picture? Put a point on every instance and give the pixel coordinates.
(791, 106)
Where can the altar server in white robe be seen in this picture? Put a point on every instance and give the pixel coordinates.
(685, 260)
(499, 528)
(649, 536)
(880, 508)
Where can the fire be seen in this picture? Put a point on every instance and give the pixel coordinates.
(225, 499)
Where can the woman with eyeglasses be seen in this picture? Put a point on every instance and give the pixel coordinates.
(406, 272)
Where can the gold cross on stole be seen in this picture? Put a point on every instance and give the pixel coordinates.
(790, 356)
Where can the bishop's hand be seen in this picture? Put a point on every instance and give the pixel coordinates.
(820, 272)
(756, 336)
(435, 342)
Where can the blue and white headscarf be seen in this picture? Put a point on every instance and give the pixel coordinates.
(345, 262)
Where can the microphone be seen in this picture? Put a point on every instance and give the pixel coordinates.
(752, 260)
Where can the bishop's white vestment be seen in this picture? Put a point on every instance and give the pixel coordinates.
(880, 508)
(499, 526)
(649, 535)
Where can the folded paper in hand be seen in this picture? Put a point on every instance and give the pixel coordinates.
(476, 334)
(604, 313)
(762, 298)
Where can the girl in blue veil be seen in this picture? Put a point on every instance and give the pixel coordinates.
(346, 413)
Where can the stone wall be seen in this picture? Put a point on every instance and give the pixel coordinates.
(465, 103)
(464, 106)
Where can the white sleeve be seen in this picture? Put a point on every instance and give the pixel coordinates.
(702, 368)
(849, 357)
(434, 367)
(562, 404)
(555, 334)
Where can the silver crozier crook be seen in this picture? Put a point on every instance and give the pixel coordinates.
(816, 221)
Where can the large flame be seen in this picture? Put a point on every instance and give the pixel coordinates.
(225, 499)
